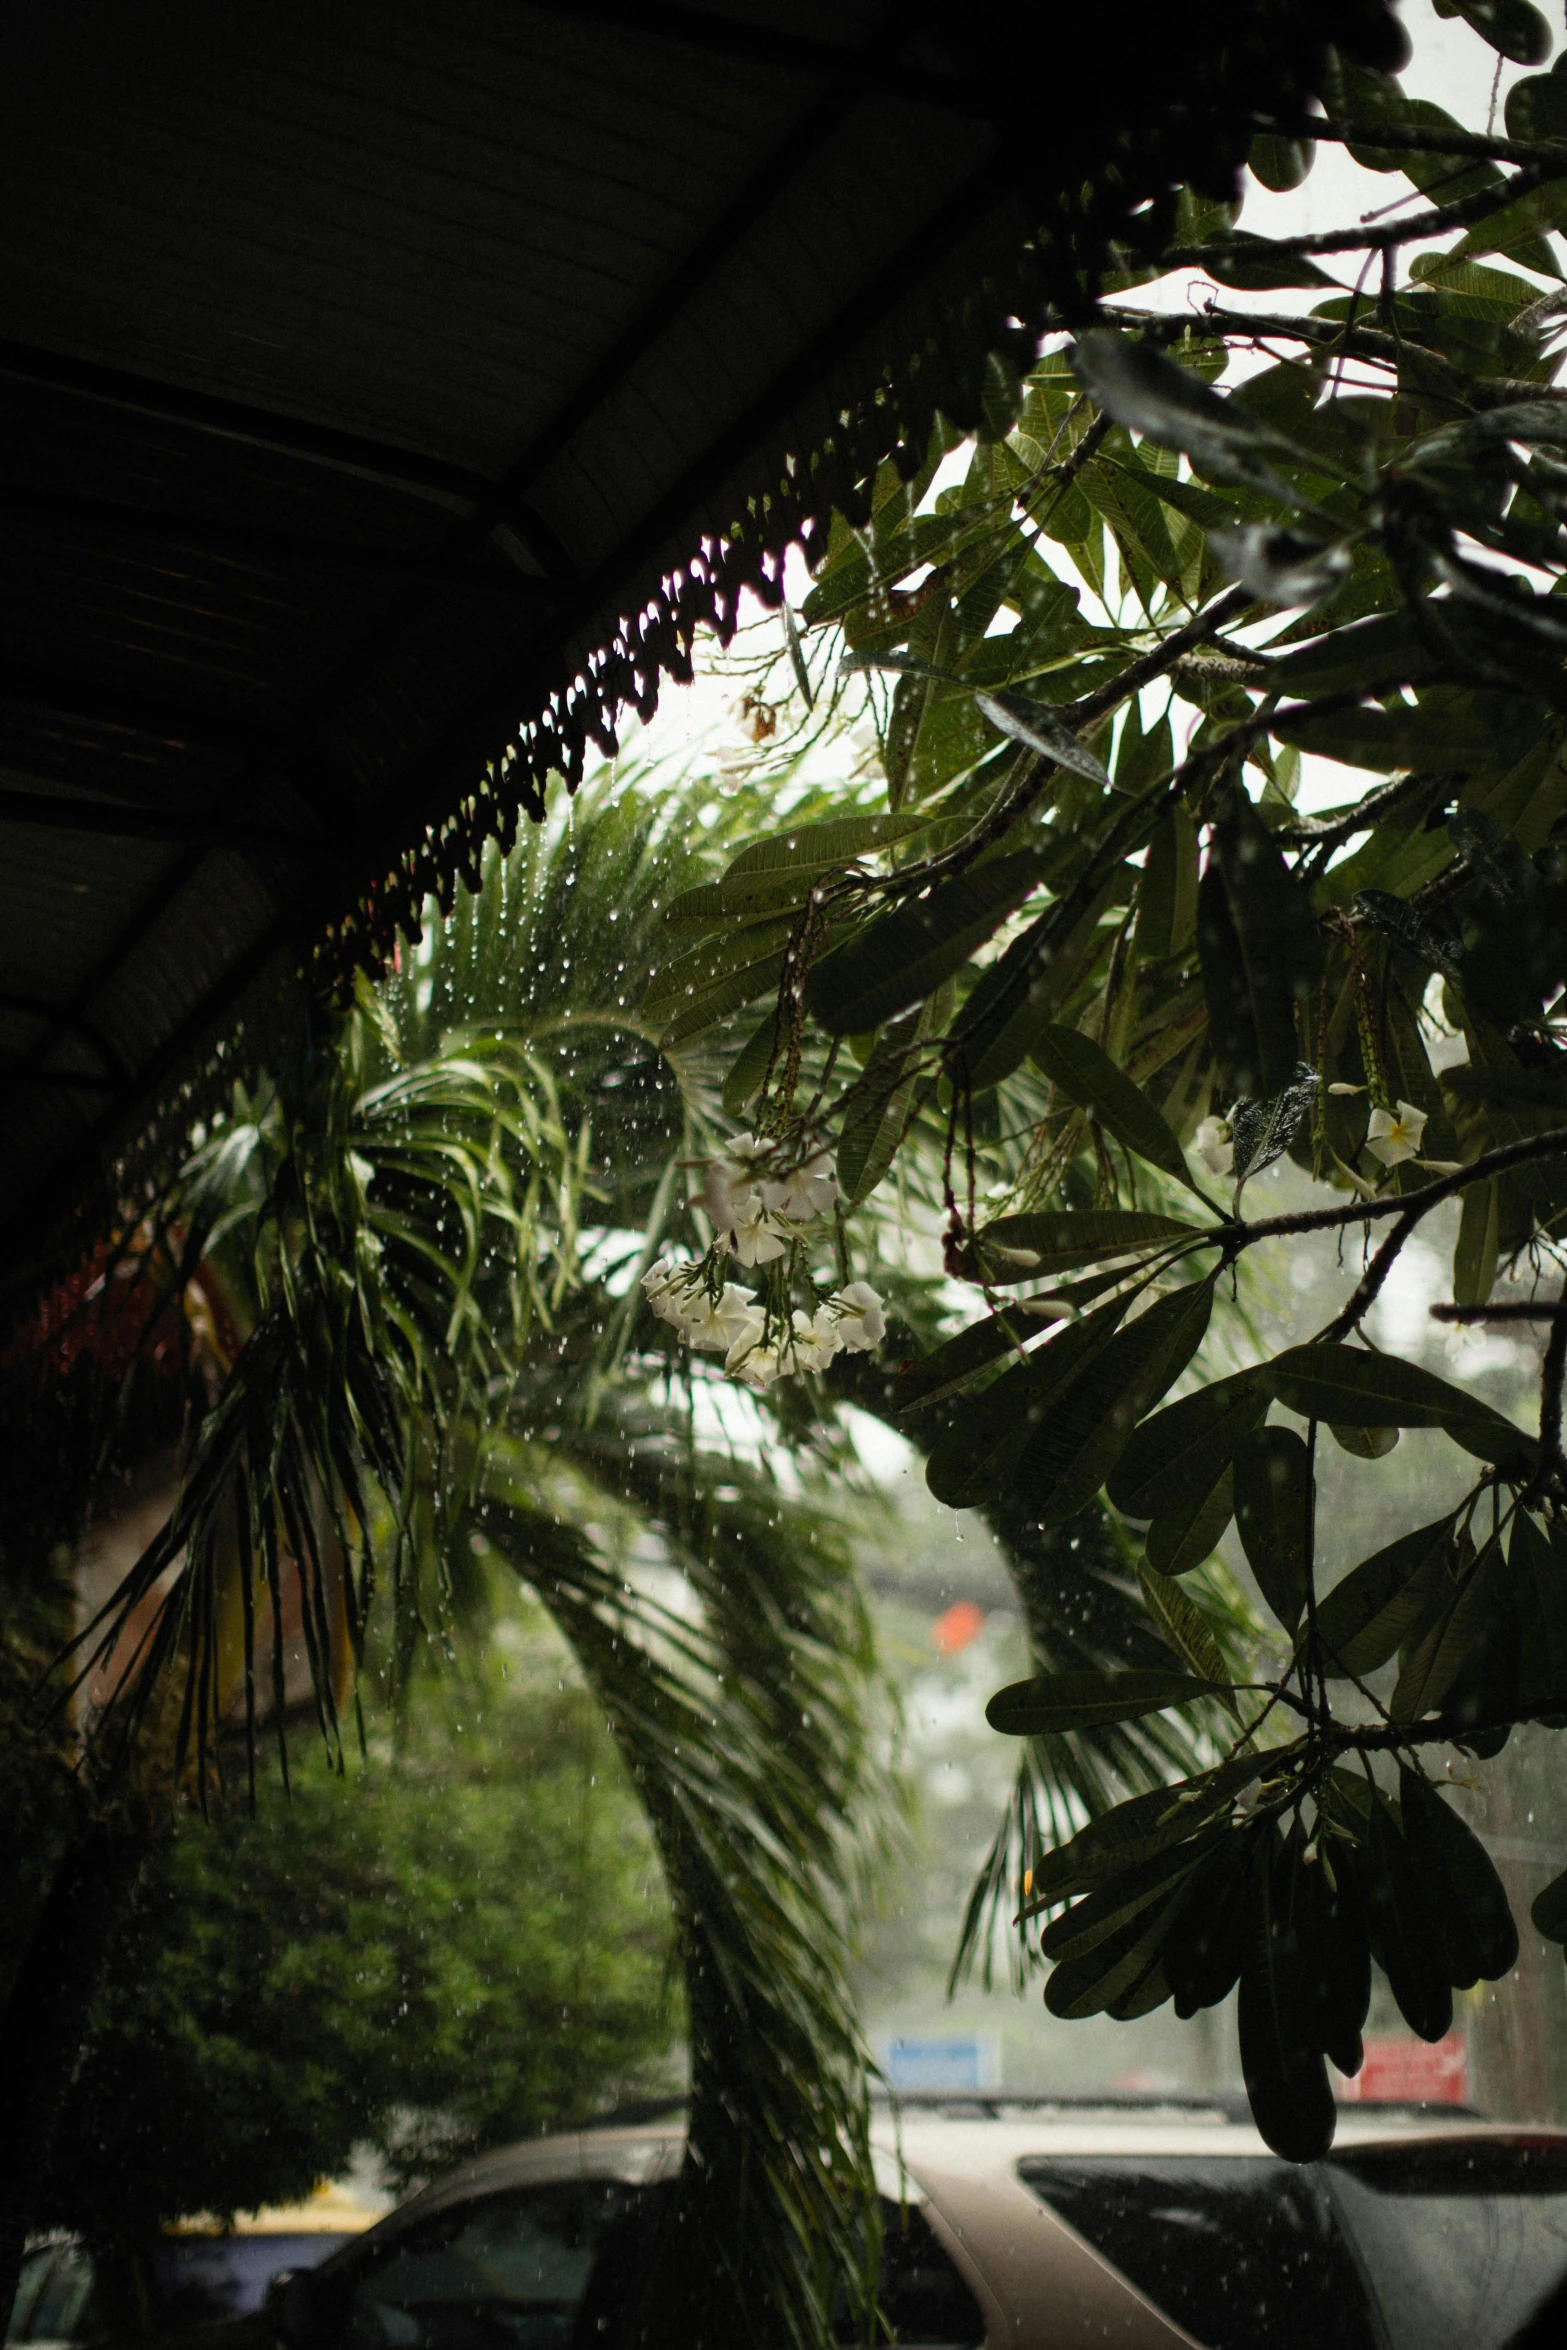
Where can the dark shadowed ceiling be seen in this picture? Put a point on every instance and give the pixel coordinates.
(362, 364)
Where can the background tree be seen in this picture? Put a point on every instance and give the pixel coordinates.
(463, 1942)
(1098, 973)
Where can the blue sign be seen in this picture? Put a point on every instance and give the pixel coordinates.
(966, 2062)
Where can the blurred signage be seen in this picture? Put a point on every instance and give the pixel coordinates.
(1429, 2072)
(970, 2060)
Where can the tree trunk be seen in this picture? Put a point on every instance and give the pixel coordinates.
(45, 2020)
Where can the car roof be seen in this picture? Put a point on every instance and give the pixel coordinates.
(991, 2133)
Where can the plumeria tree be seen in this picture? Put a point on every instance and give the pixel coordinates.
(1082, 968)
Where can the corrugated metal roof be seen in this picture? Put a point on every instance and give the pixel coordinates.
(365, 364)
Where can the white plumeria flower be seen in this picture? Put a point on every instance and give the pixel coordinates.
(860, 1317)
(759, 1368)
(1393, 1137)
(1214, 1146)
(746, 1336)
(757, 1235)
(815, 1339)
(806, 1191)
(669, 1288)
(715, 1323)
(1441, 1166)
(730, 1184)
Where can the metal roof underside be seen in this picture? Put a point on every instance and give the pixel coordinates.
(362, 364)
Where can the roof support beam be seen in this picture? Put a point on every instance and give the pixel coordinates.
(249, 542)
(454, 486)
(726, 36)
(63, 812)
(123, 709)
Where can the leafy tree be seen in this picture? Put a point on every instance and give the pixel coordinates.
(464, 1943)
(1085, 972)
(408, 1350)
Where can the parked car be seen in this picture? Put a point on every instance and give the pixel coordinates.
(1032, 2225)
(193, 2274)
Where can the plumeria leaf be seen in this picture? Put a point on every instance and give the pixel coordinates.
(1017, 1248)
(1086, 1073)
(1054, 1702)
(900, 958)
(1039, 728)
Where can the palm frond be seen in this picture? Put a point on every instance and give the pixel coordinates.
(405, 1233)
(738, 1703)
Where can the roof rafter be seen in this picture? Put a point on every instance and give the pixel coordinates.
(421, 476)
(248, 541)
(122, 820)
(772, 45)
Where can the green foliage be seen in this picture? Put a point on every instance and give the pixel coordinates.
(462, 1944)
(1122, 970)
(429, 1360)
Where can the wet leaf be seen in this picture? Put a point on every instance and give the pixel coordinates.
(1279, 566)
(1467, 1901)
(1174, 1545)
(809, 849)
(874, 1125)
(1090, 1701)
(1204, 1960)
(1142, 1825)
(1088, 1076)
(1327, 1923)
(1016, 1248)
(1274, 1504)
(1286, 2078)
(1404, 1942)
(1039, 728)
(1167, 898)
(1261, 953)
(1376, 1607)
(1176, 1458)
(1074, 1447)
(904, 956)
(1261, 1132)
(1146, 392)
(986, 1433)
(1549, 1913)
(1184, 1626)
(1351, 1386)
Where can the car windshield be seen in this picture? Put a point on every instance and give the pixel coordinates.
(1466, 2240)
(506, 2272)
(1238, 2250)
(200, 2280)
(1454, 2244)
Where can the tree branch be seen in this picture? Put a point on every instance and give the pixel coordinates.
(1395, 351)
(1420, 139)
(1315, 833)
(1468, 1315)
(1412, 1207)
(1088, 712)
(1380, 237)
